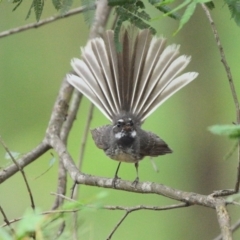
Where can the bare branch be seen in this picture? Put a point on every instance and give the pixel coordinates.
(72, 113)
(8, 223)
(24, 161)
(141, 207)
(22, 172)
(46, 21)
(147, 188)
(231, 83)
(224, 221)
(117, 225)
(234, 227)
(101, 17)
(85, 135)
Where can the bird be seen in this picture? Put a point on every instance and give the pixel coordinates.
(127, 86)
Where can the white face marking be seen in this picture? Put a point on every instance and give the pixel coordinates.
(121, 134)
(120, 120)
(133, 134)
(118, 135)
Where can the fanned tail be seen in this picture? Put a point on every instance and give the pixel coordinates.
(137, 80)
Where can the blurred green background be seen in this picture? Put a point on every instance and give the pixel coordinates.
(33, 64)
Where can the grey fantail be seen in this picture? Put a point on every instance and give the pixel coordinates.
(127, 87)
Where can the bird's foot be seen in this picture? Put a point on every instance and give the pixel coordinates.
(135, 182)
(115, 180)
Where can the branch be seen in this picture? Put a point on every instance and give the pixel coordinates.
(141, 207)
(46, 21)
(231, 83)
(60, 211)
(224, 221)
(22, 172)
(147, 188)
(24, 161)
(7, 222)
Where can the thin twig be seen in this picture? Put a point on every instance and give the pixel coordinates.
(63, 196)
(85, 135)
(72, 113)
(107, 207)
(46, 21)
(75, 189)
(131, 209)
(8, 223)
(24, 161)
(117, 225)
(136, 208)
(143, 207)
(22, 172)
(231, 83)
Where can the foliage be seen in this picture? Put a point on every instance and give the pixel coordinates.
(45, 226)
(135, 12)
(132, 11)
(232, 131)
(234, 8)
(88, 15)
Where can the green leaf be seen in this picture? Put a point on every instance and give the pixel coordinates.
(210, 5)
(161, 2)
(232, 131)
(52, 161)
(187, 15)
(167, 10)
(90, 13)
(234, 8)
(182, 5)
(17, 1)
(234, 197)
(30, 222)
(66, 5)
(120, 2)
(15, 155)
(29, 11)
(102, 194)
(38, 8)
(5, 235)
(72, 205)
(57, 4)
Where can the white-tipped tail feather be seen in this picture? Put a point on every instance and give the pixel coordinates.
(137, 80)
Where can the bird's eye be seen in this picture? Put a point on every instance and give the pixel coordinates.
(119, 123)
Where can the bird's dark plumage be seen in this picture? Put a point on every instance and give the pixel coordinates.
(127, 87)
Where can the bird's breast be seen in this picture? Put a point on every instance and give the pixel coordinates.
(124, 155)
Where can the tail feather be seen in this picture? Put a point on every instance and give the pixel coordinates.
(172, 88)
(159, 84)
(137, 80)
(142, 45)
(105, 78)
(156, 48)
(89, 72)
(82, 87)
(113, 61)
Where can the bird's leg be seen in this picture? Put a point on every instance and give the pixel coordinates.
(135, 182)
(116, 176)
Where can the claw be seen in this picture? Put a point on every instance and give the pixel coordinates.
(135, 182)
(114, 181)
